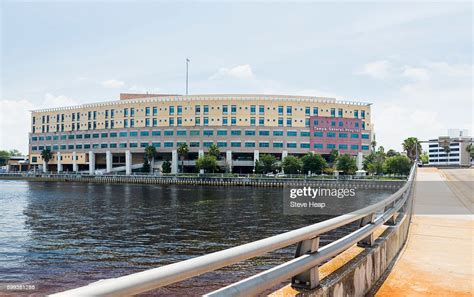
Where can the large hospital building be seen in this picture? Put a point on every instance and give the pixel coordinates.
(112, 135)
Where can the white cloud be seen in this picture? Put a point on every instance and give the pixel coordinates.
(377, 69)
(238, 72)
(415, 73)
(112, 84)
(15, 118)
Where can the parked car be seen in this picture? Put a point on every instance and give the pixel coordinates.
(270, 174)
(281, 174)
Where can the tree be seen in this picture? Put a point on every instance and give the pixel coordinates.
(268, 163)
(214, 151)
(4, 157)
(333, 157)
(398, 165)
(150, 154)
(424, 158)
(207, 162)
(373, 144)
(347, 164)
(373, 162)
(15, 152)
(47, 155)
(314, 163)
(391, 153)
(258, 167)
(182, 153)
(166, 167)
(292, 164)
(146, 166)
(470, 150)
(410, 146)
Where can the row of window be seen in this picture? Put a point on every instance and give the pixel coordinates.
(221, 144)
(194, 133)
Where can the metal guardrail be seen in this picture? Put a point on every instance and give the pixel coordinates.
(303, 269)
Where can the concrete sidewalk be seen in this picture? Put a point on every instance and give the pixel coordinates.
(438, 257)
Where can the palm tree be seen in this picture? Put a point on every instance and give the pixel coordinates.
(182, 152)
(373, 144)
(150, 154)
(470, 150)
(214, 151)
(47, 155)
(411, 146)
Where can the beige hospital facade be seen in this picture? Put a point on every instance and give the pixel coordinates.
(111, 136)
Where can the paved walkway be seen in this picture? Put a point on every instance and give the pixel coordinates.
(438, 257)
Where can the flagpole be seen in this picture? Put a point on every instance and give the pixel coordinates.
(187, 73)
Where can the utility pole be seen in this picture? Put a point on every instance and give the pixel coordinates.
(187, 74)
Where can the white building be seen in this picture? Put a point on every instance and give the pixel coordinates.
(456, 155)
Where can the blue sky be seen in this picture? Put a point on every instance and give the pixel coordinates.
(412, 60)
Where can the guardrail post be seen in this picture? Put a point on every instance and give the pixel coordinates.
(393, 219)
(310, 278)
(369, 240)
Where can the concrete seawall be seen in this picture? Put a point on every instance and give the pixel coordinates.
(217, 181)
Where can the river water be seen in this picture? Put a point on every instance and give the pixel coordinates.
(57, 236)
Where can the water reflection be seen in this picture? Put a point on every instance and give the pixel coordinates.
(63, 235)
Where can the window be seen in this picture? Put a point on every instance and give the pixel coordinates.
(331, 146)
(208, 132)
(288, 110)
(132, 112)
(180, 110)
(252, 121)
(171, 122)
(222, 144)
(277, 133)
(235, 144)
(155, 122)
(194, 144)
(354, 135)
(156, 144)
(233, 121)
(181, 133)
(222, 132)
(95, 135)
(341, 124)
(179, 121)
(305, 134)
(168, 144)
(342, 135)
(113, 134)
(356, 114)
(318, 146)
(123, 145)
(104, 135)
(356, 125)
(144, 133)
(291, 133)
(263, 144)
(261, 109)
(125, 123)
(362, 114)
(333, 112)
(95, 145)
(340, 112)
(278, 144)
(280, 110)
(304, 145)
(365, 136)
(104, 145)
(333, 123)
(207, 144)
(365, 147)
(289, 122)
(143, 144)
(250, 132)
(133, 144)
(225, 121)
(123, 134)
(206, 121)
(291, 144)
(315, 123)
(155, 110)
(233, 109)
(197, 121)
(194, 133)
(171, 110)
(331, 134)
(264, 133)
(155, 133)
(280, 122)
(34, 138)
(235, 132)
(147, 122)
(169, 132)
(315, 111)
(249, 144)
(147, 111)
(252, 109)
(343, 146)
(113, 145)
(225, 109)
(261, 121)
(354, 147)
(206, 109)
